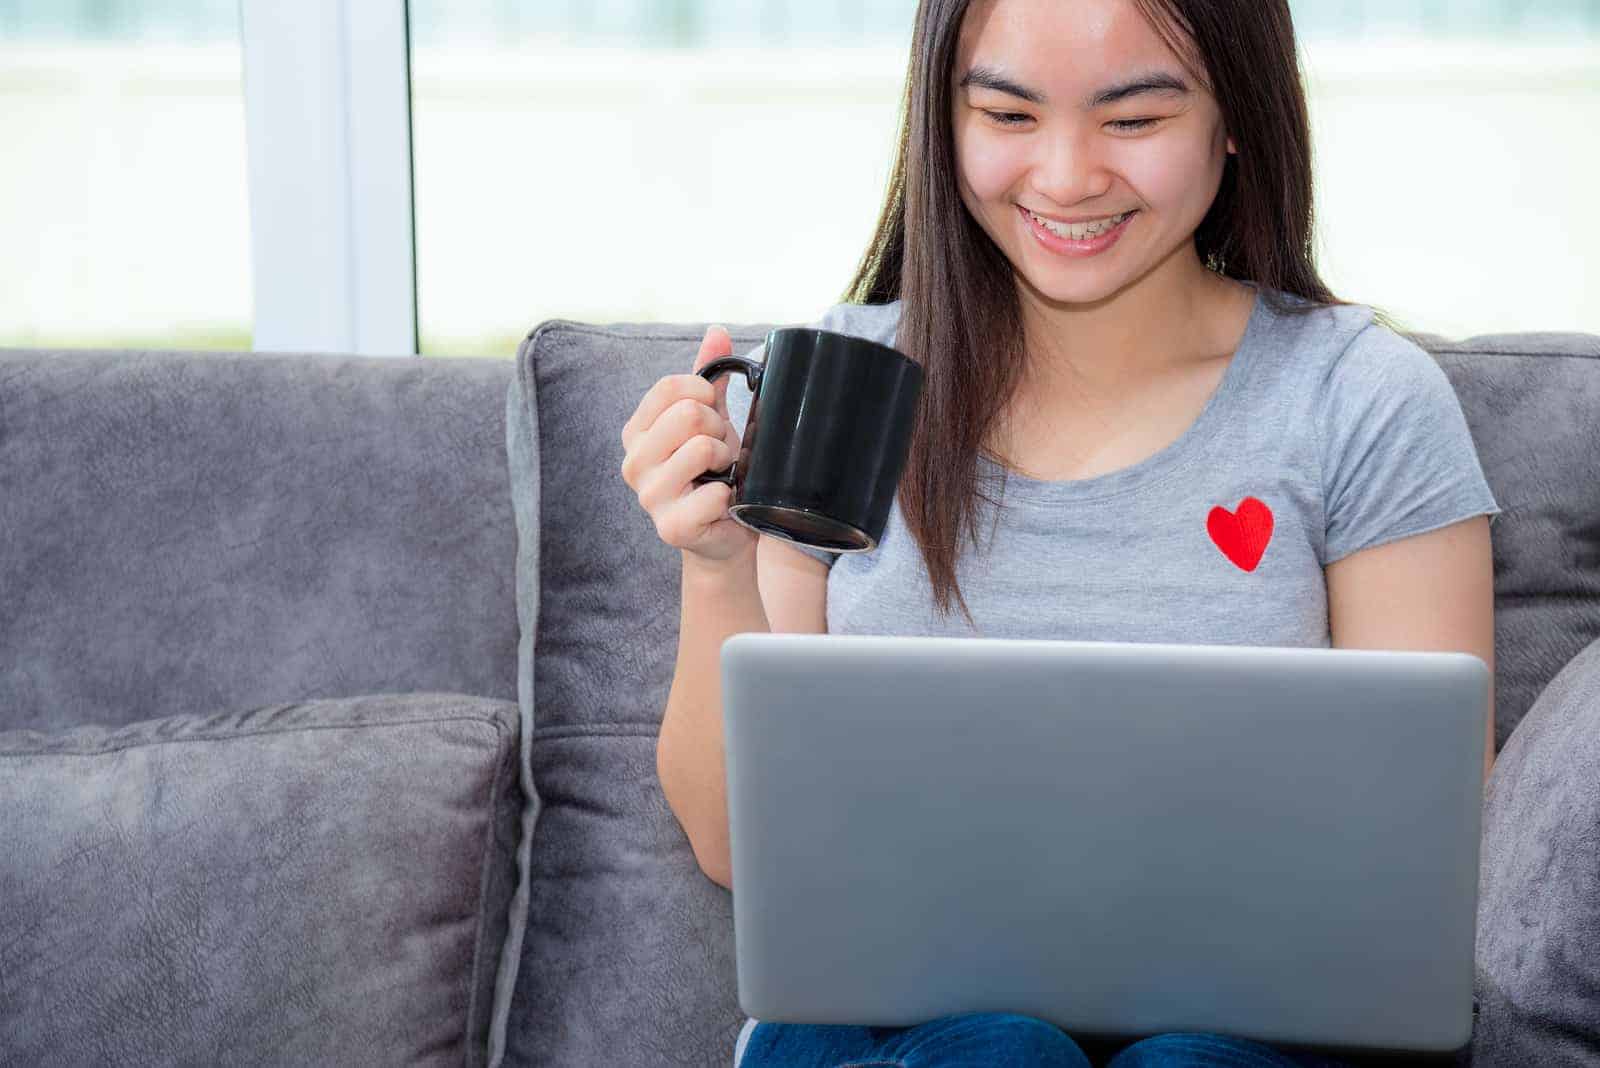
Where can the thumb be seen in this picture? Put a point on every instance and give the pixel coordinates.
(717, 342)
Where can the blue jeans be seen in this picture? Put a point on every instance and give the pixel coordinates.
(993, 1040)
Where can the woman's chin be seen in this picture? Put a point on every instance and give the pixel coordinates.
(1095, 288)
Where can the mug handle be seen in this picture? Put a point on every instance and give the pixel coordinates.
(752, 377)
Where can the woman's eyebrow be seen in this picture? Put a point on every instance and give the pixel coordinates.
(1152, 82)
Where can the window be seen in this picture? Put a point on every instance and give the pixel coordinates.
(626, 160)
(124, 212)
(1453, 162)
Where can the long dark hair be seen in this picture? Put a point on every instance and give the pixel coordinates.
(958, 290)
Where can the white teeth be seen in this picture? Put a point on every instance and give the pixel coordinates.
(1080, 231)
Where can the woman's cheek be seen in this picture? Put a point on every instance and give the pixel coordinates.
(990, 166)
(1167, 174)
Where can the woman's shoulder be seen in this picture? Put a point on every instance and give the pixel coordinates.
(1341, 368)
(1357, 369)
(1332, 342)
(874, 322)
(1307, 324)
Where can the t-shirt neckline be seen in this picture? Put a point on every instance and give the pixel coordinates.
(1159, 465)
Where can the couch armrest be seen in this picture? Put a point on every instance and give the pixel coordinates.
(1538, 948)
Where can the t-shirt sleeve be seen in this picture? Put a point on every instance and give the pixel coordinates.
(739, 410)
(1397, 456)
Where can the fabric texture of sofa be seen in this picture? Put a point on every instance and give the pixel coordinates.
(329, 691)
(258, 717)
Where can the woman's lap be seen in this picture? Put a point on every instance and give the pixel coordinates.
(978, 1040)
(995, 1040)
(1221, 1050)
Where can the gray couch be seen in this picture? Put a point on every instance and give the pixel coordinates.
(329, 691)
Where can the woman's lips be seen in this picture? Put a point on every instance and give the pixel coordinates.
(1066, 246)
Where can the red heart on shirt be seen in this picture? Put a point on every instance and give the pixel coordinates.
(1242, 535)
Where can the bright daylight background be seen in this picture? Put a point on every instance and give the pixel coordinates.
(607, 160)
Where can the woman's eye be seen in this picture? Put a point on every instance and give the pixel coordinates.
(1006, 118)
(1013, 118)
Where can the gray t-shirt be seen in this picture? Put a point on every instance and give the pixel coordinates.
(1345, 433)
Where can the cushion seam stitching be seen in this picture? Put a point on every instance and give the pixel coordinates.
(483, 896)
(625, 731)
(249, 734)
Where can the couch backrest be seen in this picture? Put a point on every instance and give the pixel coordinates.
(209, 532)
(1532, 401)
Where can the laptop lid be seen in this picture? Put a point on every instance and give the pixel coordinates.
(1123, 839)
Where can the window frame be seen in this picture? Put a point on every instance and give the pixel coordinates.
(327, 88)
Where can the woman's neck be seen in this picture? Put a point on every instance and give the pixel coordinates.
(1105, 354)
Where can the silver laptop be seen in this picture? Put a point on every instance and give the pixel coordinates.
(1123, 839)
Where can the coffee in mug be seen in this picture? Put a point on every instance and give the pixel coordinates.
(827, 437)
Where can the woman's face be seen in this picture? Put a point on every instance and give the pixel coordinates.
(1157, 153)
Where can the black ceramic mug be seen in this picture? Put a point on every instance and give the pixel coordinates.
(826, 440)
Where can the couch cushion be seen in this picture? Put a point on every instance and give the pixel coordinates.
(192, 532)
(1532, 402)
(325, 882)
(628, 957)
(1538, 952)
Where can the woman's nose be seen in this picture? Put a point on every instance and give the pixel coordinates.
(1069, 170)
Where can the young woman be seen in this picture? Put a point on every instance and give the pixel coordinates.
(1097, 242)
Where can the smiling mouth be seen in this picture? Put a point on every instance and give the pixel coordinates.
(1080, 231)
